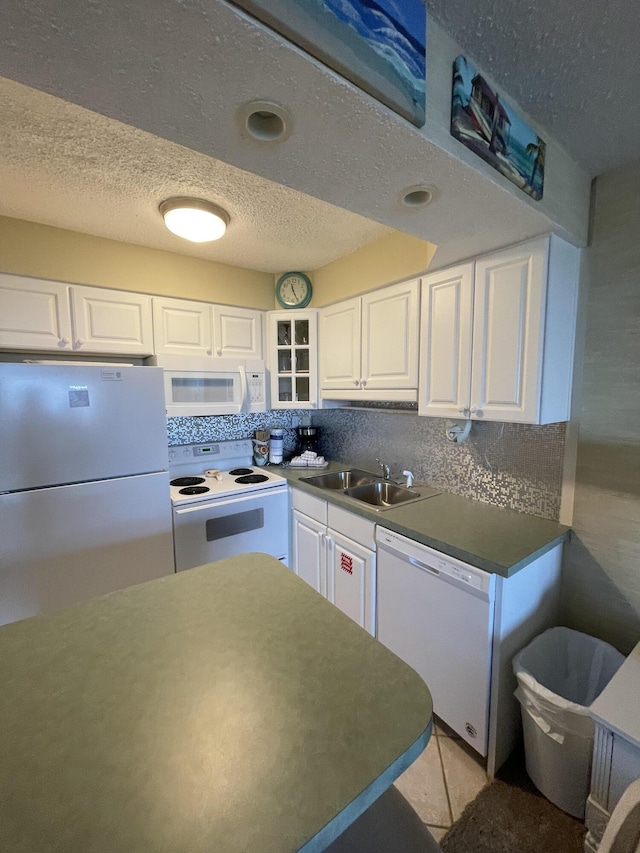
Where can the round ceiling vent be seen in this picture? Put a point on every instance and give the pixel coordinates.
(264, 121)
(417, 197)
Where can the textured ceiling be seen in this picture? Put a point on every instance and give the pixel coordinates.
(573, 66)
(179, 70)
(65, 166)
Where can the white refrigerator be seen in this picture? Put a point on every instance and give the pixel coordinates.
(84, 487)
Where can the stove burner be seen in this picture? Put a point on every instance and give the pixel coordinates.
(194, 490)
(237, 471)
(251, 478)
(187, 481)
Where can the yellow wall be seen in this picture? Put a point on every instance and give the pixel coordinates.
(27, 248)
(391, 258)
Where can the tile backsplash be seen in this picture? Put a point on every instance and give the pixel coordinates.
(516, 466)
(228, 427)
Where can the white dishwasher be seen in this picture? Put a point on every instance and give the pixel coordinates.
(436, 613)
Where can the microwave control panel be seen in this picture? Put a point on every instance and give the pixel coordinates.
(256, 384)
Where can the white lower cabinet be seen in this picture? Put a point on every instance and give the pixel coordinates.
(351, 579)
(334, 552)
(308, 541)
(616, 750)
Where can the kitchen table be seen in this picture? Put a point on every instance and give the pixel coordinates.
(227, 708)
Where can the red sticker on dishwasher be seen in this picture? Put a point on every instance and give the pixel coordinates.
(346, 563)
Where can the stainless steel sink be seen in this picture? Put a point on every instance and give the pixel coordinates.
(382, 494)
(341, 480)
(364, 487)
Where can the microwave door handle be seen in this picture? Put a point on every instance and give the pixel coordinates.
(245, 388)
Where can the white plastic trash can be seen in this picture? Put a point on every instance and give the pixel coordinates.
(560, 674)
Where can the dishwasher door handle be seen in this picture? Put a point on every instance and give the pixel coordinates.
(423, 566)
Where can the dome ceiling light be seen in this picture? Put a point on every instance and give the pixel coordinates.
(194, 219)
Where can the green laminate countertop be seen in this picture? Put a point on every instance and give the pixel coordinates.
(500, 541)
(227, 709)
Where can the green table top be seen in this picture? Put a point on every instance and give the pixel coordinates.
(500, 541)
(227, 708)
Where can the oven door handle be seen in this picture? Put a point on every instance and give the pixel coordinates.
(244, 407)
(231, 501)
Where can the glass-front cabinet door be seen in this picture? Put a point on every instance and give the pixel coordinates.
(293, 359)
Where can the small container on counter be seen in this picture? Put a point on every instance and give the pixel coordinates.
(276, 446)
(261, 447)
(260, 452)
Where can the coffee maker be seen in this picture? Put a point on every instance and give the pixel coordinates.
(308, 438)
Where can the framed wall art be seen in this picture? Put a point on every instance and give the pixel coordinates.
(380, 45)
(485, 122)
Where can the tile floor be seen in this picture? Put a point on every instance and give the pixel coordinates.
(442, 780)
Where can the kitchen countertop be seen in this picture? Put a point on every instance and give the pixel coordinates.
(229, 708)
(500, 541)
(617, 706)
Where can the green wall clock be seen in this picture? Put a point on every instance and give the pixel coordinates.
(294, 290)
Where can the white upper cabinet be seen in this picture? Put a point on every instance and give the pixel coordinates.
(445, 342)
(369, 345)
(34, 314)
(497, 335)
(183, 327)
(339, 341)
(390, 337)
(54, 316)
(293, 358)
(237, 332)
(111, 321)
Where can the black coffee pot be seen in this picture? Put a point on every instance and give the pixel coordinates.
(308, 437)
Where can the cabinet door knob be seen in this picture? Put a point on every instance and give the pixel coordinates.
(63, 342)
(209, 351)
(356, 382)
(363, 382)
(219, 350)
(80, 342)
(462, 409)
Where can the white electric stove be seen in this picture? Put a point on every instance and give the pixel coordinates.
(224, 505)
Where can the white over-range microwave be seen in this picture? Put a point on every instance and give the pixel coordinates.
(212, 386)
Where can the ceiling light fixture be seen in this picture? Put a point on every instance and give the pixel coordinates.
(194, 219)
(417, 196)
(264, 121)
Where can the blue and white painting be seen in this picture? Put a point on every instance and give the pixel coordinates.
(483, 121)
(380, 45)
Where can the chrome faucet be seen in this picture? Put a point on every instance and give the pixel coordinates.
(385, 468)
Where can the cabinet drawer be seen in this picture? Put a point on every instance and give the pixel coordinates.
(353, 526)
(314, 507)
